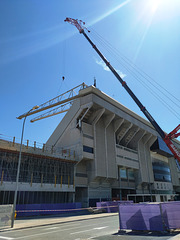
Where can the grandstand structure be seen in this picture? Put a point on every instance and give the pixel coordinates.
(100, 151)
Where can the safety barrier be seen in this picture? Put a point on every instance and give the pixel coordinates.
(5, 216)
(26, 210)
(171, 214)
(111, 206)
(150, 217)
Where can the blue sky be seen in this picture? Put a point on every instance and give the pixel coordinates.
(37, 48)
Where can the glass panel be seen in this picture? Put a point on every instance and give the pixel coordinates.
(88, 149)
(131, 174)
(123, 173)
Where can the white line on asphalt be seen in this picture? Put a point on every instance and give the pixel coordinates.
(43, 233)
(50, 232)
(44, 226)
(81, 231)
(51, 228)
(89, 230)
(7, 238)
(99, 228)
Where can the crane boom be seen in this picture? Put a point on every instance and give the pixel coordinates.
(79, 24)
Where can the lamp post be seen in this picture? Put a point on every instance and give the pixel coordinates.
(18, 169)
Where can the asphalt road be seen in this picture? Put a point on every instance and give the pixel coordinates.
(98, 228)
(84, 229)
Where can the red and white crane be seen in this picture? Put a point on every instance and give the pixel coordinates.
(79, 24)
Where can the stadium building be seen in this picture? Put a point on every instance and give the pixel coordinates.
(99, 151)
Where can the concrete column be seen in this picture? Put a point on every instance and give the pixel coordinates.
(137, 137)
(99, 144)
(132, 136)
(117, 124)
(123, 130)
(146, 171)
(110, 147)
(173, 169)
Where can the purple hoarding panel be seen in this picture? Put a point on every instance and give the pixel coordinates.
(44, 209)
(171, 214)
(140, 217)
(111, 206)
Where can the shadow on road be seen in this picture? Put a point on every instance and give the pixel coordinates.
(147, 233)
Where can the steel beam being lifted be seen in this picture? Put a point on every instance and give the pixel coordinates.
(61, 99)
(61, 109)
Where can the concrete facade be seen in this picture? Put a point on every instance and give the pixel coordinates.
(112, 152)
(113, 148)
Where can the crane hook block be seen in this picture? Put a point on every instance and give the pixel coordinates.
(77, 23)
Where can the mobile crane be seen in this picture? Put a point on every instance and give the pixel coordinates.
(79, 24)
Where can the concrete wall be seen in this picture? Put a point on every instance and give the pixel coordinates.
(64, 127)
(45, 187)
(118, 138)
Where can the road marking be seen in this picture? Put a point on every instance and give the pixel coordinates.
(51, 232)
(81, 231)
(7, 238)
(58, 230)
(51, 228)
(99, 228)
(44, 226)
(45, 233)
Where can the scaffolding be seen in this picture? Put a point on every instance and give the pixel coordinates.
(35, 169)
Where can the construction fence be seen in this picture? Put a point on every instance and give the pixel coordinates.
(150, 217)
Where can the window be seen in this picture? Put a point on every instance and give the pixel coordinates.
(130, 174)
(122, 173)
(88, 149)
(161, 172)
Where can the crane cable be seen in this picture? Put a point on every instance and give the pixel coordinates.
(137, 73)
(129, 62)
(134, 74)
(63, 63)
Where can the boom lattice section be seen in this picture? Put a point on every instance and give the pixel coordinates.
(63, 100)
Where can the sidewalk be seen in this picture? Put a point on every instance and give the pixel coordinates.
(37, 222)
